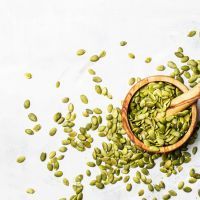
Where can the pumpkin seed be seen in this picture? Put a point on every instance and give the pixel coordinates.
(129, 187)
(166, 197)
(148, 59)
(184, 59)
(160, 68)
(32, 117)
(28, 75)
(58, 173)
(123, 43)
(102, 54)
(172, 193)
(91, 164)
(88, 172)
(37, 127)
(181, 185)
(91, 71)
(131, 81)
(29, 131)
(97, 79)
(57, 116)
(84, 99)
(52, 131)
(65, 100)
(94, 58)
(21, 159)
(43, 156)
(80, 52)
(194, 150)
(191, 33)
(27, 104)
(141, 192)
(57, 84)
(187, 189)
(30, 191)
(131, 55)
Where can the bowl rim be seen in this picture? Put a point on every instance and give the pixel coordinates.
(126, 102)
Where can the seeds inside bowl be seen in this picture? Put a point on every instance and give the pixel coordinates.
(151, 100)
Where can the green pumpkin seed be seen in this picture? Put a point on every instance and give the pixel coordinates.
(80, 52)
(123, 43)
(148, 60)
(50, 167)
(172, 193)
(131, 81)
(57, 84)
(160, 68)
(32, 117)
(94, 58)
(191, 33)
(129, 187)
(52, 131)
(30, 191)
(88, 172)
(58, 173)
(192, 180)
(171, 65)
(97, 111)
(181, 185)
(98, 89)
(97, 79)
(178, 54)
(37, 127)
(65, 100)
(91, 164)
(27, 104)
(63, 149)
(21, 159)
(184, 59)
(57, 116)
(102, 54)
(28, 75)
(84, 99)
(131, 55)
(43, 156)
(187, 189)
(194, 150)
(52, 154)
(141, 192)
(166, 197)
(29, 131)
(91, 71)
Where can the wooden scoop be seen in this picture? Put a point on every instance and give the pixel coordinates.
(184, 101)
(188, 98)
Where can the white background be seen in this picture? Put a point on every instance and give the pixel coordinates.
(41, 37)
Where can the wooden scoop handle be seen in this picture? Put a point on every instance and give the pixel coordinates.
(183, 101)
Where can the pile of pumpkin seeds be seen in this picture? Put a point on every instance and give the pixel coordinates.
(157, 131)
(118, 156)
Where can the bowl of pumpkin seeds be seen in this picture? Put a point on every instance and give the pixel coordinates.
(146, 100)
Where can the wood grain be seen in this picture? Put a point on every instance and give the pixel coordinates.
(184, 101)
(128, 98)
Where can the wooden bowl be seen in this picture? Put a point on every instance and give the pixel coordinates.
(128, 98)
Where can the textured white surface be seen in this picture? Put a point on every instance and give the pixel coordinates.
(42, 36)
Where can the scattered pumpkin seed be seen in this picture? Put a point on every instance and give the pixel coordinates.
(80, 52)
(32, 117)
(27, 104)
(123, 43)
(21, 159)
(28, 75)
(94, 58)
(191, 33)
